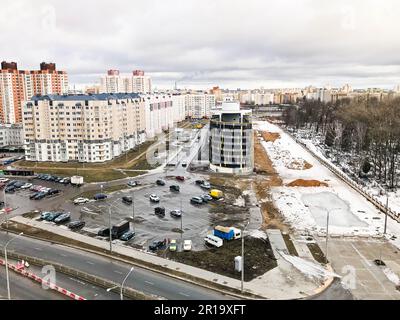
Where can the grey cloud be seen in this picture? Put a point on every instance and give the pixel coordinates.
(239, 43)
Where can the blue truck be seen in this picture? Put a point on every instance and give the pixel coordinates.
(227, 233)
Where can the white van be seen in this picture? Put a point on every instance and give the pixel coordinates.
(214, 241)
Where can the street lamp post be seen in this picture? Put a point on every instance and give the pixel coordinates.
(5, 256)
(327, 231)
(242, 279)
(385, 191)
(121, 296)
(5, 208)
(109, 227)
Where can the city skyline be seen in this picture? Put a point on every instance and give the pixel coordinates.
(197, 46)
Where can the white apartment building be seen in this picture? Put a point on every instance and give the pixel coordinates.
(159, 113)
(113, 82)
(11, 135)
(199, 105)
(84, 128)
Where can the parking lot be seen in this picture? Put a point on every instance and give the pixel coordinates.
(197, 220)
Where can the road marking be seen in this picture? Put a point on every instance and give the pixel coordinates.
(90, 262)
(38, 249)
(359, 253)
(119, 272)
(184, 294)
(150, 283)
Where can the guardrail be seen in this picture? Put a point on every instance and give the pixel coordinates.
(371, 198)
(101, 282)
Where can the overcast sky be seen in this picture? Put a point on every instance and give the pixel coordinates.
(233, 44)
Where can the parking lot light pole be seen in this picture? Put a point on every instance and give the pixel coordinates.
(327, 232)
(109, 224)
(5, 256)
(5, 208)
(242, 279)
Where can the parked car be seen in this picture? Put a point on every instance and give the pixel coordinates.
(40, 195)
(159, 211)
(127, 235)
(206, 197)
(52, 216)
(205, 185)
(154, 198)
(63, 218)
(4, 180)
(26, 186)
(53, 191)
(33, 195)
(177, 213)
(10, 189)
(133, 183)
(19, 184)
(160, 182)
(100, 196)
(66, 181)
(187, 245)
(199, 182)
(74, 225)
(11, 183)
(174, 188)
(45, 214)
(184, 164)
(156, 245)
(180, 178)
(81, 200)
(172, 245)
(104, 232)
(196, 200)
(2, 204)
(127, 200)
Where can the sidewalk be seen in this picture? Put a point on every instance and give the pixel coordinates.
(283, 282)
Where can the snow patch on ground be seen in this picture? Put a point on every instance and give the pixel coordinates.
(258, 234)
(306, 208)
(310, 269)
(391, 276)
(240, 202)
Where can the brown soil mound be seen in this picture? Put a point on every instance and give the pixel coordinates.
(307, 183)
(299, 165)
(270, 136)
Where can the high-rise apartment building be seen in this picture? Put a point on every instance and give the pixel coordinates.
(113, 82)
(84, 128)
(199, 105)
(17, 86)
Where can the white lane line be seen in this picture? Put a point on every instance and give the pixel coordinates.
(119, 272)
(90, 262)
(184, 294)
(38, 249)
(150, 283)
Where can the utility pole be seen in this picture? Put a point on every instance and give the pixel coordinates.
(6, 261)
(327, 236)
(133, 210)
(242, 280)
(387, 211)
(5, 208)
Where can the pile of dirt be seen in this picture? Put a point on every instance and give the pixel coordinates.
(307, 183)
(259, 258)
(270, 136)
(299, 164)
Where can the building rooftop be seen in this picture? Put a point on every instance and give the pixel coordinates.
(84, 97)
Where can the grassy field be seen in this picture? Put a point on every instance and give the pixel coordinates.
(98, 175)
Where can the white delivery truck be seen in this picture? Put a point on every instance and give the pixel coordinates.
(77, 180)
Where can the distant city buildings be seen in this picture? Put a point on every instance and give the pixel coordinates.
(199, 104)
(17, 86)
(113, 82)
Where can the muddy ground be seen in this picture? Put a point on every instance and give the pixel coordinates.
(258, 258)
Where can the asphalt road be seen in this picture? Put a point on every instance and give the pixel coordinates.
(141, 279)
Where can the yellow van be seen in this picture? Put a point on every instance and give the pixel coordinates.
(216, 194)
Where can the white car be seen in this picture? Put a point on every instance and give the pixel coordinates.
(27, 186)
(44, 189)
(81, 200)
(187, 245)
(2, 180)
(154, 198)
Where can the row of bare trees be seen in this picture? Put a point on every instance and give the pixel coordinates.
(366, 128)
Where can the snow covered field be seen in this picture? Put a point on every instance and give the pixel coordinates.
(305, 208)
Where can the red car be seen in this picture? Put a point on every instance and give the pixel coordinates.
(180, 178)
